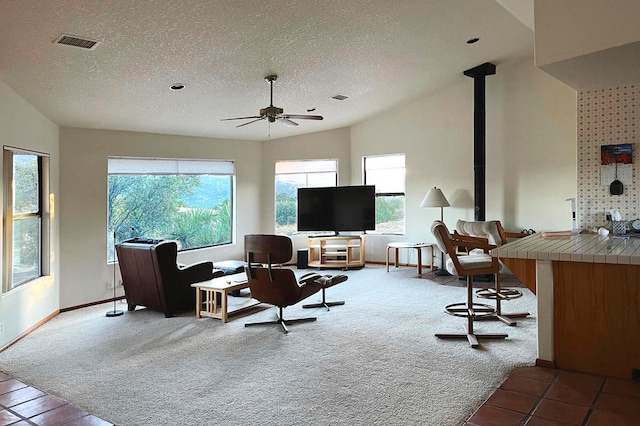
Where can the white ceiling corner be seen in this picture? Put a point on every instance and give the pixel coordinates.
(521, 9)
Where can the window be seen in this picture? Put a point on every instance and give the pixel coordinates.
(189, 201)
(387, 173)
(291, 175)
(26, 228)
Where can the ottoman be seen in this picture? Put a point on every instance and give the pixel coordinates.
(229, 267)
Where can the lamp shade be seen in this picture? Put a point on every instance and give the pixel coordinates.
(434, 198)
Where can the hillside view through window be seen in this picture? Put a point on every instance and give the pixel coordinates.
(193, 209)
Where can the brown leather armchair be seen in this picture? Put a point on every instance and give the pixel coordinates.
(152, 278)
(279, 286)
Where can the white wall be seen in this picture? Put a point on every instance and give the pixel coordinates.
(567, 29)
(23, 126)
(531, 152)
(83, 205)
(588, 44)
(534, 125)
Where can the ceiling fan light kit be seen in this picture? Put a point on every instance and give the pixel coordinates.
(273, 113)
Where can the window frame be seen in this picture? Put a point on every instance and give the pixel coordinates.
(45, 200)
(297, 167)
(147, 166)
(388, 193)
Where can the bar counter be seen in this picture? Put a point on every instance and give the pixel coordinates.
(588, 297)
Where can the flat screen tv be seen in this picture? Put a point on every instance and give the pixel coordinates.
(337, 208)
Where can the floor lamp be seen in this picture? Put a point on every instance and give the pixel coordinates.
(435, 198)
(115, 312)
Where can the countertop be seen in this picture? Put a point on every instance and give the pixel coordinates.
(590, 248)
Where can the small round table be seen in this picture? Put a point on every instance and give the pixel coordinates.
(405, 245)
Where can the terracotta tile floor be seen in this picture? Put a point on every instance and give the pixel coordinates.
(22, 405)
(536, 396)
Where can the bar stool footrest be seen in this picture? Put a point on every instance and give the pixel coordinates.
(503, 294)
(476, 310)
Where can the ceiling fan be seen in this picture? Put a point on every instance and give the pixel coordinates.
(272, 113)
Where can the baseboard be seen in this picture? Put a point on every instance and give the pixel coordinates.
(55, 314)
(86, 305)
(544, 363)
(30, 330)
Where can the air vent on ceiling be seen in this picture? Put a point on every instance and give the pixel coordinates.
(339, 97)
(83, 43)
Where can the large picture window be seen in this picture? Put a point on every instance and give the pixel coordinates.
(26, 224)
(189, 201)
(388, 174)
(291, 175)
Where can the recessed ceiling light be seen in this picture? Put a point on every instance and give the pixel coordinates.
(473, 40)
(177, 86)
(339, 97)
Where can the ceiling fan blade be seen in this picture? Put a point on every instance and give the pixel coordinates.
(273, 113)
(303, 117)
(240, 118)
(288, 122)
(252, 121)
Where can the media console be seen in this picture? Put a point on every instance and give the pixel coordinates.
(336, 252)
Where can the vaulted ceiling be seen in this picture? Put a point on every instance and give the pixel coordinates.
(378, 53)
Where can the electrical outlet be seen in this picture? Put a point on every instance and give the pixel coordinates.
(1, 327)
(110, 285)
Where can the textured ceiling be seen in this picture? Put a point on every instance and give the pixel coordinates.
(379, 53)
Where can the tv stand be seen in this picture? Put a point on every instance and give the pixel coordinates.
(342, 251)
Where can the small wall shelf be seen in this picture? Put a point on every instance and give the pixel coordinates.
(336, 252)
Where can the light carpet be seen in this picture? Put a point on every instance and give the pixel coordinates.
(373, 361)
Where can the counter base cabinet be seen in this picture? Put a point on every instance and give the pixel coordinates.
(524, 270)
(597, 317)
(587, 290)
(336, 252)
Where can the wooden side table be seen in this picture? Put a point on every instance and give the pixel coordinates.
(405, 245)
(216, 290)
